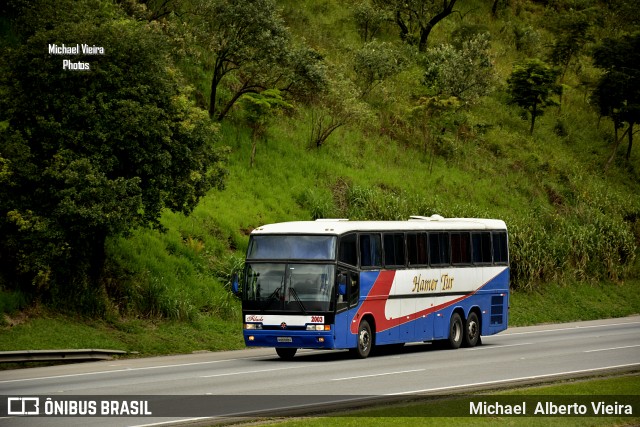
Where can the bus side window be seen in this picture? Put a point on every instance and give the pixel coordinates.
(481, 243)
(417, 249)
(460, 248)
(500, 251)
(348, 252)
(370, 250)
(439, 248)
(394, 249)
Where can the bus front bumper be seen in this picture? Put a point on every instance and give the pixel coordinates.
(289, 339)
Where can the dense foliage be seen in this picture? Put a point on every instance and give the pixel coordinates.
(94, 153)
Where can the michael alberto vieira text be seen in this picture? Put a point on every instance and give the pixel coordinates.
(549, 408)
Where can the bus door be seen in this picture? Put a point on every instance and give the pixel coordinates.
(347, 298)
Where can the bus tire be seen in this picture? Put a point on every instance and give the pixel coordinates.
(472, 330)
(456, 332)
(365, 340)
(286, 353)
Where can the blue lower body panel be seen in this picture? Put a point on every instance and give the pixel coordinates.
(290, 339)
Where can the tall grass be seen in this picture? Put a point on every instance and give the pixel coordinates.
(166, 276)
(11, 302)
(591, 243)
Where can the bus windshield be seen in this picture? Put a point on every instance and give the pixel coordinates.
(290, 287)
(292, 247)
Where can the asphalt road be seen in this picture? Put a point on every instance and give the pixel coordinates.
(258, 377)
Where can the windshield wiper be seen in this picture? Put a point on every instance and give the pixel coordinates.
(274, 294)
(293, 292)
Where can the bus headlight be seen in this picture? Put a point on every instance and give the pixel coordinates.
(253, 325)
(318, 327)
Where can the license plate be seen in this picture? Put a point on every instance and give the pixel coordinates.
(285, 339)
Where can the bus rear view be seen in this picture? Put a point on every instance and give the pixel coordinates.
(338, 284)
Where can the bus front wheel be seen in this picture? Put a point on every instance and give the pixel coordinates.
(286, 353)
(365, 340)
(455, 331)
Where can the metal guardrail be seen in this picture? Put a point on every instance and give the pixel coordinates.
(75, 355)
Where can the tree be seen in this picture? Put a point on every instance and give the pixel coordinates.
(369, 19)
(259, 109)
(250, 48)
(376, 62)
(466, 73)
(416, 18)
(429, 117)
(247, 38)
(617, 93)
(572, 34)
(94, 153)
(531, 86)
(338, 106)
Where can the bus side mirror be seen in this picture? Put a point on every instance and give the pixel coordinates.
(235, 286)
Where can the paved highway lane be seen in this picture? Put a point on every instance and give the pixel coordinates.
(518, 355)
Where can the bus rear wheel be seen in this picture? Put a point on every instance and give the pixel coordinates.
(456, 332)
(472, 331)
(286, 353)
(365, 340)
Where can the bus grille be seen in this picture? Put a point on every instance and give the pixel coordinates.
(497, 309)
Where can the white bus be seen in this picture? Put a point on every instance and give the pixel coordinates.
(340, 284)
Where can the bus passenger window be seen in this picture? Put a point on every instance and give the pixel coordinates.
(370, 250)
(500, 251)
(439, 248)
(394, 249)
(348, 252)
(460, 248)
(417, 249)
(481, 248)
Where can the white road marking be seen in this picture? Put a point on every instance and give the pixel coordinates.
(252, 372)
(180, 421)
(508, 380)
(573, 328)
(377, 375)
(495, 347)
(612, 348)
(128, 370)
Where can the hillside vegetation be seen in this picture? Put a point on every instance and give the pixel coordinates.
(369, 125)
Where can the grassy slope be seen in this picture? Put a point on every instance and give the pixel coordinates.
(492, 168)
